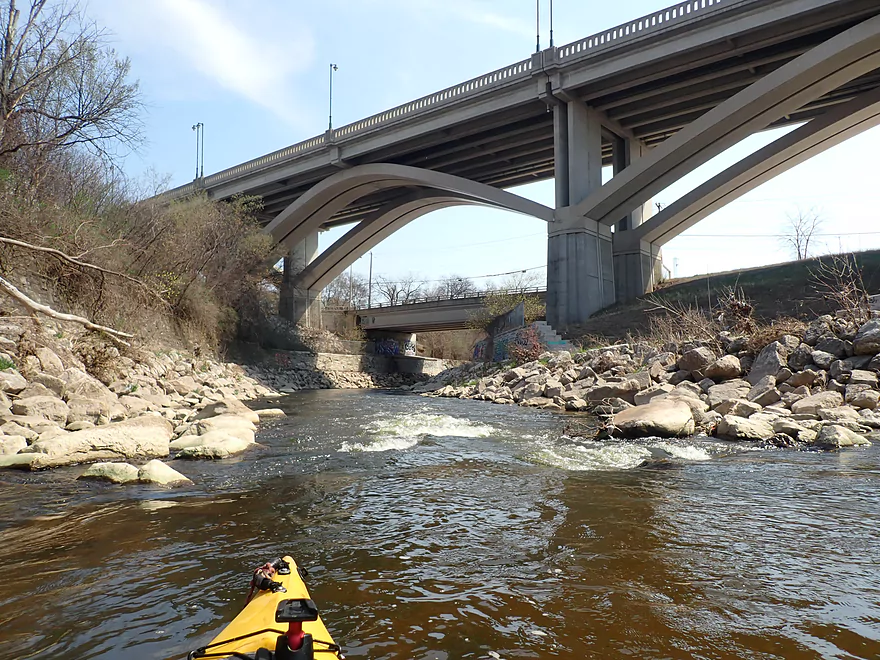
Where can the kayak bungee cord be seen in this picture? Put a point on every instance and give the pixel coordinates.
(250, 635)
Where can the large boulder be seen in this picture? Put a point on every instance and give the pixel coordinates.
(832, 436)
(801, 357)
(665, 418)
(724, 368)
(739, 428)
(770, 361)
(47, 407)
(12, 444)
(96, 411)
(738, 408)
(732, 389)
(79, 384)
(228, 407)
(156, 472)
(50, 363)
(832, 344)
(867, 339)
(696, 359)
(645, 396)
(625, 390)
(116, 473)
(811, 405)
(147, 436)
(216, 444)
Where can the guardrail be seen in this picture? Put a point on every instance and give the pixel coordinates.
(470, 296)
(637, 28)
(582, 48)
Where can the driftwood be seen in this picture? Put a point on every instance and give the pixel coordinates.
(81, 264)
(8, 288)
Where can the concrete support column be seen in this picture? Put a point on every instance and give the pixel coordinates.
(580, 270)
(637, 266)
(300, 306)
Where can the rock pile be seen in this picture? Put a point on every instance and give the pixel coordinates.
(53, 413)
(819, 389)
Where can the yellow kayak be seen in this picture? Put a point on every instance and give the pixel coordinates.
(280, 622)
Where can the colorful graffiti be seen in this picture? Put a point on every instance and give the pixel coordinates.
(409, 348)
(510, 344)
(387, 347)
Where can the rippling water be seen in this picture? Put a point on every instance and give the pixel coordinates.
(442, 529)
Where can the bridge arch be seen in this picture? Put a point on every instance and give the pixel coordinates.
(305, 216)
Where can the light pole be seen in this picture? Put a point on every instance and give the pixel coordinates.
(200, 148)
(370, 285)
(551, 23)
(350, 288)
(333, 68)
(538, 26)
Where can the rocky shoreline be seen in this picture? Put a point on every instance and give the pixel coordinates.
(816, 389)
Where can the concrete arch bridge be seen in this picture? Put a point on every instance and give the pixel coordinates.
(653, 99)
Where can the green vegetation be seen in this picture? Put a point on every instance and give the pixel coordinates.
(6, 363)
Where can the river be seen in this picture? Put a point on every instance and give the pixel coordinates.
(444, 529)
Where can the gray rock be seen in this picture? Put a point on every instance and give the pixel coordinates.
(772, 358)
(811, 405)
(817, 329)
(553, 388)
(833, 345)
(47, 407)
(53, 383)
(841, 414)
(156, 472)
(800, 357)
(761, 388)
(79, 384)
(625, 390)
(865, 399)
(696, 359)
(11, 381)
(680, 376)
(739, 428)
(867, 339)
(794, 430)
(116, 473)
(822, 359)
(862, 377)
(724, 368)
(659, 418)
(834, 436)
(806, 377)
(228, 406)
(688, 389)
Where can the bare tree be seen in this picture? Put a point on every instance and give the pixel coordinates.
(454, 286)
(400, 291)
(519, 281)
(800, 230)
(61, 86)
(346, 292)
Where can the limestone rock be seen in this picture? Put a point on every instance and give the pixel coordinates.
(822, 359)
(216, 444)
(47, 407)
(658, 418)
(116, 473)
(79, 384)
(80, 425)
(645, 396)
(553, 388)
(764, 392)
(36, 389)
(841, 414)
(146, 436)
(833, 436)
(724, 368)
(862, 377)
(867, 339)
(52, 383)
(794, 430)
(183, 385)
(50, 363)
(157, 472)
(135, 405)
(228, 406)
(11, 381)
(732, 389)
(271, 413)
(625, 390)
(811, 405)
(739, 428)
(696, 359)
(865, 399)
(738, 408)
(806, 377)
(96, 411)
(12, 444)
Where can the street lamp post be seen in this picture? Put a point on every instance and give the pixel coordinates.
(551, 23)
(537, 26)
(333, 68)
(370, 285)
(200, 149)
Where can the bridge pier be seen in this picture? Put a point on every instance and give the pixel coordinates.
(300, 306)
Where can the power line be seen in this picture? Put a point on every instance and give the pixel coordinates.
(467, 277)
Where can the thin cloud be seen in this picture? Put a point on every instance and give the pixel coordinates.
(217, 44)
(470, 11)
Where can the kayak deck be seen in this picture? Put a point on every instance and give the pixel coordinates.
(259, 615)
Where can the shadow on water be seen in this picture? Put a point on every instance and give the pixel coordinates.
(455, 543)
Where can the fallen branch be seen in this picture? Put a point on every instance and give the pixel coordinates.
(34, 306)
(81, 264)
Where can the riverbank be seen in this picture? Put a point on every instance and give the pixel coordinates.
(71, 398)
(811, 386)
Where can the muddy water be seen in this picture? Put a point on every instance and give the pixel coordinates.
(455, 529)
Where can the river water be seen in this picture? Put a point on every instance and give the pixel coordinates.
(443, 529)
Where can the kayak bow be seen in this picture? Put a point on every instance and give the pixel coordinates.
(280, 623)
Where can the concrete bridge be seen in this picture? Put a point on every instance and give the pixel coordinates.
(653, 98)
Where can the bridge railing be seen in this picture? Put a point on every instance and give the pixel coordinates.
(466, 296)
(637, 28)
(679, 13)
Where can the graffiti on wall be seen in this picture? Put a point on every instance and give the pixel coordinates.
(409, 348)
(503, 343)
(388, 347)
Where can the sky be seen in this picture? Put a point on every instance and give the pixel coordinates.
(256, 74)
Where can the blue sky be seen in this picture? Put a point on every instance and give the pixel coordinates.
(256, 75)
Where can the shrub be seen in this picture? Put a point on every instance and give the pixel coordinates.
(527, 346)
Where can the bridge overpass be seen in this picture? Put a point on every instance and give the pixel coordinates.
(653, 98)
(428, 315)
